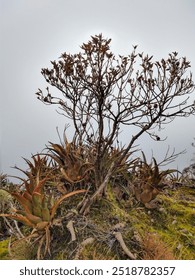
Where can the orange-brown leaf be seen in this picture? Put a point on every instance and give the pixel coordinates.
(33, 219)
(59, 201)
(26, 204)
(41, 225)
(27, 195)
(19, 218)
(40, 185)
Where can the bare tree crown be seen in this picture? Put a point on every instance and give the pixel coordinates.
(100, 92)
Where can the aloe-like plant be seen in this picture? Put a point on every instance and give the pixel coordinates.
(148, 180)
(37, 212)
(72, 160)
(38, 169)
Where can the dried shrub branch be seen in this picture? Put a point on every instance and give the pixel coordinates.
(101, 94)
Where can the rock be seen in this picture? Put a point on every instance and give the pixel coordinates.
(162, 210)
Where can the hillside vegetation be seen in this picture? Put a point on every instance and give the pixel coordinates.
(145, 213)
(91, 197)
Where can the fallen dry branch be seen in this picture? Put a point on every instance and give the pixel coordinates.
(70, 227)
(117, 234)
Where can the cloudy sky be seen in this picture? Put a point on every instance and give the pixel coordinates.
(33, 32)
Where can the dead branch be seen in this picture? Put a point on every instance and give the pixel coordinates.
(117, 234)
(102, 93)
(70, 227)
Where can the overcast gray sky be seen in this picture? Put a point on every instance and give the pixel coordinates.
(33, 32)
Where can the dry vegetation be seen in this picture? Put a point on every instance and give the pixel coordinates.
(153, 220)
(90, 197)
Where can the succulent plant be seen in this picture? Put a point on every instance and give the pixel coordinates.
(148, 180)
(37, 170)
(37, 211)
(71, 160)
